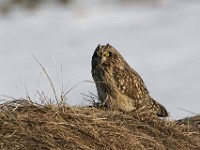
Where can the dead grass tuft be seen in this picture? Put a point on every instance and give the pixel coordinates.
(29, 126)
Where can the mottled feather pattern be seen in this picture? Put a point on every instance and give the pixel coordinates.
(118, 85)
(124, 79)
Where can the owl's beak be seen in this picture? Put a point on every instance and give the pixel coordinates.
(102, 60)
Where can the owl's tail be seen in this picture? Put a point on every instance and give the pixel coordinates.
(160, 109)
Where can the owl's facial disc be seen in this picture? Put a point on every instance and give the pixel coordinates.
(104, 57)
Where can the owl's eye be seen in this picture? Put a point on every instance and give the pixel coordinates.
(107, 54)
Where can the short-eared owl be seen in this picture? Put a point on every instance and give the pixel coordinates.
(118, 85)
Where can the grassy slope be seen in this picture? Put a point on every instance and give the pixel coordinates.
(24, 125)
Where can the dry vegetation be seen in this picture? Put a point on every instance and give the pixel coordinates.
(25, 125)
(8, 5)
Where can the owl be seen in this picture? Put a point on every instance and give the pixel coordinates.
(119, 86)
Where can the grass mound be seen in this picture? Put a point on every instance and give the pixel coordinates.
(25, 125)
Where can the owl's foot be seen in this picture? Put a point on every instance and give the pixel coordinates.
(99, 105)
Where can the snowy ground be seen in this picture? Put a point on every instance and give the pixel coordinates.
(160, 41)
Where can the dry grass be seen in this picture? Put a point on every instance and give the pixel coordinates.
(7, 6)
(25, 125)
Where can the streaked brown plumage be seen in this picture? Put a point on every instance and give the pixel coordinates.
(119, 86)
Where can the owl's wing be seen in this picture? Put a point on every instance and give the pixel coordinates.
(129, 82)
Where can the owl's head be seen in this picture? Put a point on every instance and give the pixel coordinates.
(105, 55)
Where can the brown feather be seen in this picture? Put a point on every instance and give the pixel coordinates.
(118, 85)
